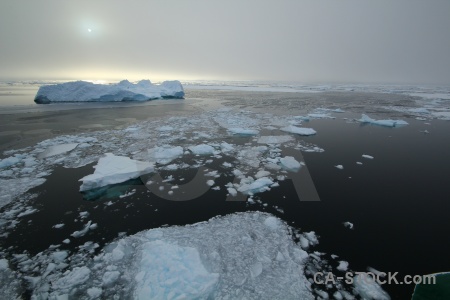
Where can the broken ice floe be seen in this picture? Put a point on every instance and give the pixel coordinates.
(112, 169)
(387, 123)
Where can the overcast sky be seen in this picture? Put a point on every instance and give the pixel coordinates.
(388, 41)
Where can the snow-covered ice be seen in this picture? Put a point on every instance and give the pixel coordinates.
(343, 266)
(112, 169)
(261, 262)
(57, 149)
(387, 123)
(122, 91)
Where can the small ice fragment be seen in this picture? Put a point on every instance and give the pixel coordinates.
(348, 225)
(343, 266)
(367, 156)
(299, 130)
(210, 182)
(232, 191)
(290, 163)
(340, 167)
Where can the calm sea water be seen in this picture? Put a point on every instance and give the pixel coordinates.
(398, 202)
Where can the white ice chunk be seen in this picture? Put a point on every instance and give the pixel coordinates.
(57, 149)
(340, 167)
(165, 154)
(112, 169)
(274, 139)
(343, 266)
(169, 271)
(202, 149)
(290, 163)
(388, 123)
(299, 130)
(248, 186)
(9, 161)
(349, 225)
(367, 156)
(367, 288)
(243, 131)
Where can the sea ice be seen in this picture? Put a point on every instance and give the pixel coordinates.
(202, 149)
(188, 262)
(57, 149)
(122, 91)
(290, 163)
(343, 266)
(367, 156)
(243, 131)
(274, 139)
(112, 169)
(250, 186)
(367, 288)
(388, 123)
(299, 130)
(165, 154)
(340, 167)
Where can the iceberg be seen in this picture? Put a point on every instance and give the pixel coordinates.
(83, 91)
(388, 123)
(112, 169)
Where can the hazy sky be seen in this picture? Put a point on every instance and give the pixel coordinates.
(324, 41)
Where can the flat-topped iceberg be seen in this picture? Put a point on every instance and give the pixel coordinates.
(112, 169)
(388, 123)
(83, 91)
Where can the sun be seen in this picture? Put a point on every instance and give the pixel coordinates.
(89, 30)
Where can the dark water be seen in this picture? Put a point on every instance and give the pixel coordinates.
(398, 201)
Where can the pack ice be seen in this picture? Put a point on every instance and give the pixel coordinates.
(112, 169)
(240, 256)
(123, 91)
(388, 123)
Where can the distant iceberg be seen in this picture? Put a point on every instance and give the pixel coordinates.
(388, 123)
(83, 91)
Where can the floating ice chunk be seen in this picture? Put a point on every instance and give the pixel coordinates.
(4, 264)
(343, 266)
(27, 212)
(243, 131)
(274, 139)
(210, 182)
(290, 163)
(225, 147)
(348, 225)
(112, 169)
(76, 276)
(388, 123)
(359, 163)
(367, 288)
(9, 161)
(123, 91)
(169, 271)
(250, 186)
(320, 116)
(299, 130)
(232, 191)
(165, 154)
(202, 149)
(340, 167)
(262, 173)
(57, 149)
(322, 294)
(367, 156)
(82, 232)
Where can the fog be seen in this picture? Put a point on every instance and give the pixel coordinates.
(309, 41)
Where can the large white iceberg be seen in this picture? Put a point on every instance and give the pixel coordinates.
(112, 169)
(76, 91)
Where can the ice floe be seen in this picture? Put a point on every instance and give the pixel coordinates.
(299, 130)
(387, 123)
(112, 169)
